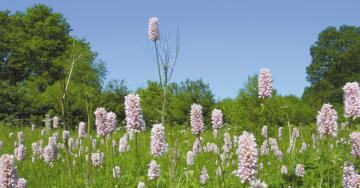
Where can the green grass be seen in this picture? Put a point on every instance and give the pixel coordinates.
(323, 162)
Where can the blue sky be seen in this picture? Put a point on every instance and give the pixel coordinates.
(223, 42)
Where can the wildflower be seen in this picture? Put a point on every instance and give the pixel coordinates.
(153, 31)
(355, 140)
(259, 184)
(49, 154)
(348, 175)
(158, 144)
(216, 119)
(116, 172)
(93, 144)
(8, 174)
(284, 170)
(65, 135)
(100, 121)
(123, 143)
(141, 185)
(197, 124)
(197, 146)
(280, 133)
(326, 120)
(219, 171)
(82, 131)
(133, 111)
(19, 152)
(55, 122)
(263, 149)
(352, 100)
(20, 137)
(247, 157)
(303, 147)
(275, 148)
(204, 176)
(265, 83)
(190, 158)
(300, 170)
(154, 170)
(264, 131)
(21, 183)
(110, 123)
(97, 159)
(227, 140)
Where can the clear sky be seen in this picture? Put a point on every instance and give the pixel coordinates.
(223, 42)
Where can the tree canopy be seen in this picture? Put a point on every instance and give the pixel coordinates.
(335, 61)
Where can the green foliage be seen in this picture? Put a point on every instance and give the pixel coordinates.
(335, 61)
(179, 100)
(35, 54)
(251, 112)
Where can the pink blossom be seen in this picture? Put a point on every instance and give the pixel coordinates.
(153, 31)
(154, 170)
(133, 111)
(116, 172)
(8, 174)
(190, 158)
(21, 183)
(217, 119)
(20, 137)
(263, 149)
(158, 144)
(265, 83)
(111, 123)
(197, 124)
(141, 185)
(352, 100)
(49, 154)
(97, 159)
(204, 176)
(300, 170)
(248, 156)
(348, 175)
(82, 131)
(355, 140)
(284, 169)
(326, 120)
(65, 135)
(19, 152)
(123, 144)
(55, 120)
(100, 121)
(264, 131)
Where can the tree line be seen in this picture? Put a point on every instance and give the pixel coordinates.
(41, 63)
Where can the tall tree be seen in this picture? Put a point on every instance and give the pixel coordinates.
(335, 61)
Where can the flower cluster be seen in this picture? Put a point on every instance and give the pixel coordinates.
(158, 144)
(133, 111)
(265, 83)
(82, 131)
(8, 174)
(197, 120)
(97, 159)
(248, 156)
(355, 140)
(300, 170)
(352, 100)
(204, 176)
(154, 170)
(216, 119)
(153, 32)
(326, 120)
(19, 152)
(348, 175)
